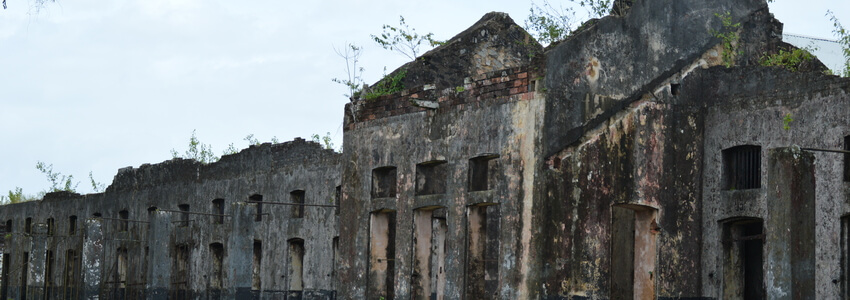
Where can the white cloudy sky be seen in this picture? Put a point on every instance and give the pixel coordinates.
(99, 85)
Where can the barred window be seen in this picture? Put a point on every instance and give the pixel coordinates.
(742, 167)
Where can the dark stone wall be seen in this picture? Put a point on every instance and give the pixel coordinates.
(152, 235)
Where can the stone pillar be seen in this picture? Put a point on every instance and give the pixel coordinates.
(159, 262)
(92, 259)
(240, 251)
(38, 253)
(790, 224)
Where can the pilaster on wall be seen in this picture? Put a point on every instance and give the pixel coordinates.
(240, 251)
(790, 224)
(159, 270)
(92, 258)
(38, 254)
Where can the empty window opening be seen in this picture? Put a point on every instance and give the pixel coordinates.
(72, 225)
(429, 253)
(124, 223)
(152, 209)
(335, 248)
(384, 182)
(184, 215)
(482, 251)
(217, 253)
(48, 275)
(337, 198)
(180, 274)
(845, 256)
(257, 197)
(121, 271)
(674, 89)
(72, 273)
(218, 209)
(9, 226)
(28, 225)
(296, 197)
(481, 169)
(296, 267)
(431, 178)
(50, 226)
(743, 271)
(633, 238)
(24, 272)
(258, 261)
(97, 215)
(742, 167)
(4, 276)
(847, 158)
(382, 254)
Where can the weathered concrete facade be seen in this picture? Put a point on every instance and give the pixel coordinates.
(183, 230)
(626, 162)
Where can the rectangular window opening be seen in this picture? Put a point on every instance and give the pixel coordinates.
(48, 275)
(382, 254)
(845, 257)
(429, 254)
(296, 267)
(28, 226)
(50, 226)
(180, 272)
(431, 178)
(122, 269)
(257, 197)
(72, 225)
(124, 223)
(72, 272)
(258, 260)
(481, 170)
(743, 265)
(184, 215)
(4, 276)
(742, 167)
(482, 250)
(24, 272)
(297, 197)
(384, 182)
(337, 199)
(218, 209)
(847, 158)
(217, 252)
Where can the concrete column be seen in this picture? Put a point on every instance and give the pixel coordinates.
(92, 259)
(790, 224)
(240, 251)
(38, 253)
(159, 262)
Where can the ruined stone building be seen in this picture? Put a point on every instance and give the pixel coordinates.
(641, 158)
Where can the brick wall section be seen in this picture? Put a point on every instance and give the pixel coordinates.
(496, 87)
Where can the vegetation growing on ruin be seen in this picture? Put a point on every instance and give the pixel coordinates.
(729, 38)
(325, 141)
(548, 24)
(353, 73)
(403, 39)
(790, 60)
(390, 84)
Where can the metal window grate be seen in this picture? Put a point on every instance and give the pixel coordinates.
(742, 167)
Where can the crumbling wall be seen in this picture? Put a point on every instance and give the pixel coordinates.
(156, 194)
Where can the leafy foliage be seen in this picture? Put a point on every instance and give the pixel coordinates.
(547, 24)
(729, 37)
(58, 182)
(16, 196)
(324, 140)
(97, 187)
(404, 40)
(354, 74)
(596, 8)
(843, 39)
(198, 151)
(786, 121)
(387, 85)
(790, 60)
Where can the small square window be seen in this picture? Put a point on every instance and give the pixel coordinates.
(742, 167)
(384, 182)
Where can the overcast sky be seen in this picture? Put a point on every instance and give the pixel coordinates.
(100, 85)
